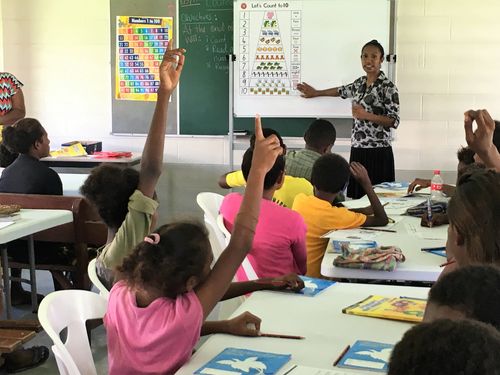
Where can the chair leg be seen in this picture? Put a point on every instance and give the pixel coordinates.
(61, 279)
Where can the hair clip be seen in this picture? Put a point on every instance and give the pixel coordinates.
(153, 241)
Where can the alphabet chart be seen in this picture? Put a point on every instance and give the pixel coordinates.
(269, 65)
(140, 45)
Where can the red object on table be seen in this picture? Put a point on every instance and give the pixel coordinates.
(111, 154)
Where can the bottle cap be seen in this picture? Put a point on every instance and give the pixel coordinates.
(437, 171)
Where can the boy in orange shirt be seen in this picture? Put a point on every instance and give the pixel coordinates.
(329, 177)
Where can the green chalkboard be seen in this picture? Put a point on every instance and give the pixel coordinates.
(206, 31)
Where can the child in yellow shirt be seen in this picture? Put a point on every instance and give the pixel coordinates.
(329, 177)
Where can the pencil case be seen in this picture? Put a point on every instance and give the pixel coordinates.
(382, 258)
(420, 209)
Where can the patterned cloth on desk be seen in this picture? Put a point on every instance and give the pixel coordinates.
(382, 258)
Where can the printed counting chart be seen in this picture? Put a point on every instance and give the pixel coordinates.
(270, 65)
(140, 45)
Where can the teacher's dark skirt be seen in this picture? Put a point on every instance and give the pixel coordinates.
(379, 162)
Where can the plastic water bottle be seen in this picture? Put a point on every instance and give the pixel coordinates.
(437, 186)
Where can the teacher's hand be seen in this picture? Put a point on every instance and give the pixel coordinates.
(307, 90)
(359, 112)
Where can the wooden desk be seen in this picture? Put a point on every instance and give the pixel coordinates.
(30, 221)
(89, 161)
(418, 266)
(319, 319)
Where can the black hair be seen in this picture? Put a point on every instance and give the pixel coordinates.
(109, 189)
(470, 168)
(375, 43)
(320, 134)
(330, 173)
(6, 157)
(472, 290)
(272, 176)
(267, 132)
(474, 210)
(465, 155)
(181, 253)
(446, 347)
(20, 137)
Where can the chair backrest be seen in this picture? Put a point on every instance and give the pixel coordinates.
(71, 309)
(103, 291)
(210, 204)
(246, 271)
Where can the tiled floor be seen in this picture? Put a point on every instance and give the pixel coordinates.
(177, 192)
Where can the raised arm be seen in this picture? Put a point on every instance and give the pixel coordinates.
(152, 155)
(310, 92)
(265, 153)
(18, 110)
(481, 140)
(379, 217)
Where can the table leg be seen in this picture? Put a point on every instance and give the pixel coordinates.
(6, 281)
(31, 255)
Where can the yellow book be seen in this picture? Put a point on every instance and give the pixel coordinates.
(395, 308)
(75, 149)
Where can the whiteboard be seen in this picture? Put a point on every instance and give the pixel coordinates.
(278, 44)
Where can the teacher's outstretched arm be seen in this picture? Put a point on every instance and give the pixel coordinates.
(310, 92)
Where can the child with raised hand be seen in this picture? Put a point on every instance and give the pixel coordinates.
(481, 140)
(167, 289)
(124, 198)
(329, 176)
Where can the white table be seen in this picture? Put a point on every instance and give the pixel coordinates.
(29, 222)
(319, 319)
(418, 266)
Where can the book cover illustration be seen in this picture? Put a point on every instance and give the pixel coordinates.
(314, 286)
(243, 361)
(395, 308)
(367, 355)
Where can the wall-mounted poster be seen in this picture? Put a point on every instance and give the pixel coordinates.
(140, 45)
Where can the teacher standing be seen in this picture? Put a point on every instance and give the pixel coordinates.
(375, 111)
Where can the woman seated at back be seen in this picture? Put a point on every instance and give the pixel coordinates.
(27, 174)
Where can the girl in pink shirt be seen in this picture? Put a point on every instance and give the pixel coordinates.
(166, 288)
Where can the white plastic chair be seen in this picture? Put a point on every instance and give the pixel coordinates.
(248, 273)
(91, 270)
(210, 204)
(71, 309)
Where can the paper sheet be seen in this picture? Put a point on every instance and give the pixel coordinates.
(416, 230)
(4, 224)
(352, 234)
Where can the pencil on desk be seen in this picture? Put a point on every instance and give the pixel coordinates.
(278, 336)
(341, 355)
(433, 248)
(379, 229)
(447, 263)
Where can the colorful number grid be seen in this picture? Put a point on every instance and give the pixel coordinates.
(141, 43)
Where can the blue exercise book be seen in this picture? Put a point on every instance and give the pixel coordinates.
(393, 185)
(314, 286)
(243, 361)
(441, 253)
(367, 355)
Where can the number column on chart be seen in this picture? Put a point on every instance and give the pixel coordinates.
(244, 52)
(295, 48)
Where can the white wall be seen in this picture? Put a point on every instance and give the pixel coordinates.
(448, 62)
(448, 58)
